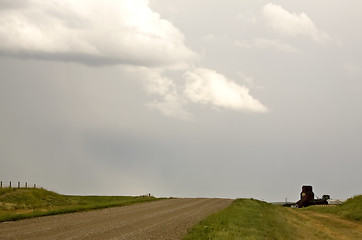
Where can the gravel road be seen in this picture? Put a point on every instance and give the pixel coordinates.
(164, 219)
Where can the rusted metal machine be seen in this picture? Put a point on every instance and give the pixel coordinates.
(307, 198)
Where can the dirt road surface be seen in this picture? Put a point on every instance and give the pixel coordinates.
(164, 219)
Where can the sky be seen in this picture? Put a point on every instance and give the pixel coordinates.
(232, 99)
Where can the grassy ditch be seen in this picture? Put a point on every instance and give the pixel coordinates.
(244, 219)
(253, 219)
(351, 209)
(20, 203)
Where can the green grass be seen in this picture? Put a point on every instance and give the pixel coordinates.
(23, 203)
(252, 219)
(351, 209)
(244, 219)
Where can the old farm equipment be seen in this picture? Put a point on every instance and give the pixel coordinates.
(307, 198)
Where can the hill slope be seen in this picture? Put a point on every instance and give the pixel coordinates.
(18, 203)
(253, 219)
(350, 209)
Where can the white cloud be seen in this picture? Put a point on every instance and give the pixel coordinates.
(172, 103)
(156, 83)
(206, 86)
(292, 24)
(118, 32)
(91, 32)
(201, 86)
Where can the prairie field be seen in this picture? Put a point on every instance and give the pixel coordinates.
(20, 203)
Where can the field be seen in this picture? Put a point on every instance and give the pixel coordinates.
(242, 219)
(20, 203)
(253, 219)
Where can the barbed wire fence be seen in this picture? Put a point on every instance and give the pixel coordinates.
(11, 184)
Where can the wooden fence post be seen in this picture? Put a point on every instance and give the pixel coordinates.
(34, 185)
(1, 184)
(10, 184)
(26, 185)
(18, 184)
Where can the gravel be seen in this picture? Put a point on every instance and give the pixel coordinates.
(164, 219)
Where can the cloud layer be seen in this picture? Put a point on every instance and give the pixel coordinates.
(292, 24)
(91, 32)
(201, 86)
(119, 32)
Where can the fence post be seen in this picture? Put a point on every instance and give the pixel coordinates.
(1, 184)
(26, 185)
(34, 185)
(18, 184)
(10, 184)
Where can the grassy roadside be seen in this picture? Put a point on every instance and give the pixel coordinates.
(253, 219)
(351, 209)
(23, 203)
(244, 219)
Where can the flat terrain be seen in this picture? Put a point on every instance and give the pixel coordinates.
(164, 219)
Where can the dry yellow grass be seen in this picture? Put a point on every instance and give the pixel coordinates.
(312, 225)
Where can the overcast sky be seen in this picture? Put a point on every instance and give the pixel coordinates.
(182, 98)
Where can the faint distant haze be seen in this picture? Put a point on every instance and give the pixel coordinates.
(181, 98)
